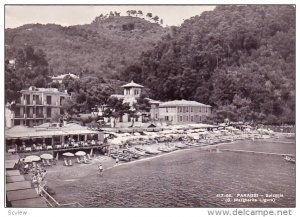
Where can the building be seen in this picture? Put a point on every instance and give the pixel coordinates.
(59, 78)
(182, 111)
(154, 111)
(38, 105)
(132, 91)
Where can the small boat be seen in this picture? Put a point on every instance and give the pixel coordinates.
(135, 156)
(164, 149)
(181, 146)
(114, 155)
(124, 158)
(290, 158)
(151, 152)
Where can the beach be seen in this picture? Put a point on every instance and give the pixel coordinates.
(195, 177)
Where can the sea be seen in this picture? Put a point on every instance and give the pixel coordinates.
(195, 178)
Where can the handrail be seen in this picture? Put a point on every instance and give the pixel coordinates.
(55, 201)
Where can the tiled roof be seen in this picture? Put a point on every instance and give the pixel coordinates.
(182, 103)
(132, 84)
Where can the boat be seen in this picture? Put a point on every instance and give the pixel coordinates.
(124, 158)
(164, 149)
(180, 146)
(290, 158)
(148, 151)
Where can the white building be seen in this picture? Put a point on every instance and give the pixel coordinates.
(131, 92)
(59, 78)
(180, 111)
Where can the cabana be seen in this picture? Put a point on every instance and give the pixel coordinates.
(47, 136)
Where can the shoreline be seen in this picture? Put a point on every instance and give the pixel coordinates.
(61, 177)
(204, 147)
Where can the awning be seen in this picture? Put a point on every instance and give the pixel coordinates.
(10, 179)
(12, 172)
(10, 164)
(18, 186)
(22, 194)
(30, 203)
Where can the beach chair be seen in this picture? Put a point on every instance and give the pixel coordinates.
(48, 163)
(78, 161)
(66, 162)
(44, 162)
(89, 157)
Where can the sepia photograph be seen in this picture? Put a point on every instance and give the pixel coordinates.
(150, 106)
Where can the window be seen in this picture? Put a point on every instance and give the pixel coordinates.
(166, 109)
(48, 112)
(187, 118)
(48, 100)
(180, 118)
(180, 109)
(62, 100)
(62, 111)
(28, 112)
(27, 97)
(166, 118)
(17, 112)
(191, 109)
(192, 118)
(17, 122)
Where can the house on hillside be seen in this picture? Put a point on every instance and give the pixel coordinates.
(59, 78)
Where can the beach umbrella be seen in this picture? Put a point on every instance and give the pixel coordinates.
(80, 153)
(68, 154)
(47, 156)
(32, 158)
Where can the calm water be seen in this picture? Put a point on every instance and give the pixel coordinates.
(191, 178)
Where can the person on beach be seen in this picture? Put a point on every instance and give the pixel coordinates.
(117, 160)
(100, 169)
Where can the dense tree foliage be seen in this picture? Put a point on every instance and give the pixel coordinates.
(87, 94)
(239, 59)
(29, 68)
(105, 47)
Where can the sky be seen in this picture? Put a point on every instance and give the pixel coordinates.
(17, 15)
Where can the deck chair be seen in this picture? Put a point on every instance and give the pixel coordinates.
(66, 163)
(78, 161)
(44, 162)
(48, 163)
(89, 157)
(70, 163)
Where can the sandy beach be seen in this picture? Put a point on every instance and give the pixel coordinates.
(64, 180)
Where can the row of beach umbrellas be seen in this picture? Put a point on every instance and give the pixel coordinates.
(46, 156)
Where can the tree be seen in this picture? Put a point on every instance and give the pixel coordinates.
(140, 13)
(128, 12)
(149, 15)
(156, 19)
(133, 12)
(115, 108)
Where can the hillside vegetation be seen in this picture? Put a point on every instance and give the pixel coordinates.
(104, 48)
(239, 59)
